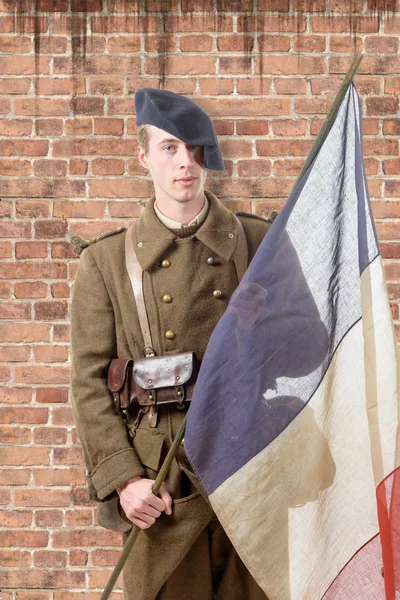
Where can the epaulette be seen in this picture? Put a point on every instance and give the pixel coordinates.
(80, 244)
(270, 219)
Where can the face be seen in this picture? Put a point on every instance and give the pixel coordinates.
(177, 168)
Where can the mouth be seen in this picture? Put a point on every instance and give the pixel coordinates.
(186, 180)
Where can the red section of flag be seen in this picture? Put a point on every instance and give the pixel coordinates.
(374, 571)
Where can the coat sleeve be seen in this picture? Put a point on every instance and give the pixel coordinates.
(109, 456)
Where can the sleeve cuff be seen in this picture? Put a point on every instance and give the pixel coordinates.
(116, 470)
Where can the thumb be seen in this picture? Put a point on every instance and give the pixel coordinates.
(166, 498)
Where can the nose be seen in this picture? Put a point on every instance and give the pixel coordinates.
(185, 157)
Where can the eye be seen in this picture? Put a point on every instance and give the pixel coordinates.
(169, 148)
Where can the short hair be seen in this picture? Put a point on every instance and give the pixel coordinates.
(143, 136)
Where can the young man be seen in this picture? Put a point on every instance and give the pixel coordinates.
(185, 243)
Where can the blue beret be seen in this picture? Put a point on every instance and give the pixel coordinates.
(182, 118)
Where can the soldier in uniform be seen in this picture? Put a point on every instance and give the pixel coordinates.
(185, 243)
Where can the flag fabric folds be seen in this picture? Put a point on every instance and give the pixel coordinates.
(294, 419)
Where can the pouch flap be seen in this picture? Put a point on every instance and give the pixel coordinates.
(148, 445)
(163, 371)
(117, 373)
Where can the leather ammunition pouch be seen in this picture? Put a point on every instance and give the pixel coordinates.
(153, 381)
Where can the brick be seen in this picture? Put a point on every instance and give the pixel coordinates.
(223, 126)
(382, 106)
(197, 5)
(125, 24)
(309, 43)
(381, 44)
(100, 65)
(90, 210)
(48, 518)
(135, 168)
(48, 188)
(24, 457)
(5, 105)
(309, 6)
(14, 477)
(84, 146)
(344, 24)
(236, 64)
(78, 166)
(60, 290)
(21, 332)
(124, 210)
(49, 127)
(15, 518)
(121, 106)
(345, 43)
(259, 86)
(15, 310)
(245, 106)
(391, 126)
(108, 166)
(225, 43)
(104, 557)
(50, 310)
(108, 126)
(88, 106)
(292, 65)
(25, 65)
(283, 147)
(18, 414)
(79, 517)
(105, 85)
(15, 395)
(46, 86)
(43, 579)
(62, 250)
(49, 354)
(51, 395)
(16, 127)
(34, 289)
(386, 209)
(62, 333)
(392, 189)
(50, 559)
(160, 43)
(236, 148)
(15, 168)
(5, 497)
(69, 25)
(62, 415)
(53, 45)
(41, 374)
(392, 24)
(15, 558)
(6, 211)
(373, 147)
(23, 147)
(372, 65)
(49, 436)
(251, 188)
(12, 85)
(198, 23)
(60, 477)
(252, 127)
(51, 5)
(41, 106)
(79, 126)
(5, 373)
(395, 311)
(87, 5)
(5, 249)
(50, 168)
(5, 289)
(390, 250)
(32, 596)
(273, 43)
(391, 166)
(15, 435)
(15, 230)
(50, 229)
(92, 230)
(95, 44)
(357, 6)
(120, 188)
(32, 209)
(99, 578)
(254, 168)
(312, 105)
(68, 456)
(182, 65)
(272, 23)
(289, 127)
(125, 44)
(85, 537)
(392, 85)
(322, 85)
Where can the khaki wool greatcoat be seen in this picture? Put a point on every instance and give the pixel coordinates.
(105, 325)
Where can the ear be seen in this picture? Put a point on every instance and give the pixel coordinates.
(142, 157)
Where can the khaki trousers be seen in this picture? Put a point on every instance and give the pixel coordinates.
(211, 570)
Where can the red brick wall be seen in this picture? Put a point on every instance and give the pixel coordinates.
(267, 76)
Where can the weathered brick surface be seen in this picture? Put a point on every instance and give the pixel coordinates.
(266, 71)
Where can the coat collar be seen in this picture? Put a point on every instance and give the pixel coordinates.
(152, 239)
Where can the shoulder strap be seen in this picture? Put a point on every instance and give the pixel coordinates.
(241, 254)
(135, 273)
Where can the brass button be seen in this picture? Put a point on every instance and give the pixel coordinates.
(217, 294)
(169, 334)
(167, 298)
(165, 263)
(211, 260)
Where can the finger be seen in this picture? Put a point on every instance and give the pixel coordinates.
(141, 524)
(166, 498)
(154, 502)
(141, 516)
(146, 509)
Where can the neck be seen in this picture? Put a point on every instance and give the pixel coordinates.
(182, 212)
